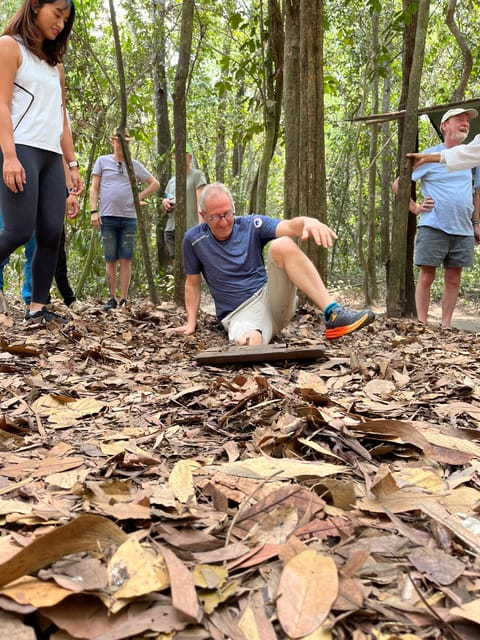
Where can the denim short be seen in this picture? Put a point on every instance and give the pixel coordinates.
(269, 309)
(434, 248)
(118, 237)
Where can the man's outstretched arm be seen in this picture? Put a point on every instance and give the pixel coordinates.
(304, 227)
(192, 304)
(424, 158)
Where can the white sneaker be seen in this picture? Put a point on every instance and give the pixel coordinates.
(3, 303)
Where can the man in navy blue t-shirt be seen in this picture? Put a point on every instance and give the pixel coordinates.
(254, 303)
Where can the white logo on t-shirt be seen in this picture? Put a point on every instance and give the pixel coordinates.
(257, 223)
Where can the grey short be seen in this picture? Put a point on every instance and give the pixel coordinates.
(268, 310)
(170, 242)
(434, 248)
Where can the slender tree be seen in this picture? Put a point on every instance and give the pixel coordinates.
(128, 159)
(180, 123)
(397, 284)
(304, 116)
(160, 101)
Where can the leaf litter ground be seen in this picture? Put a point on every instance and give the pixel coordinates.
(143, 495)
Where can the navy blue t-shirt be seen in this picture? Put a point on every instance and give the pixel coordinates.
(233, 268)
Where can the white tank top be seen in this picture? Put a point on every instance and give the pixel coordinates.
(37, 114)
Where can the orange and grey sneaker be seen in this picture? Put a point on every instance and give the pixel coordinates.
(343, 321)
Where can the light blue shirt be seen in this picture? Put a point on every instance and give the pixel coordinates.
(452, 193)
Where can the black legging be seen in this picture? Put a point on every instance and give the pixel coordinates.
(61, 273)
(39, 209)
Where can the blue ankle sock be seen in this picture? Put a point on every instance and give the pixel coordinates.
(329, 308)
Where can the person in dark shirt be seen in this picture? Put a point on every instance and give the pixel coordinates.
(252, 302)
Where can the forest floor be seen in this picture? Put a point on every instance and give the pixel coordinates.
(144, 495)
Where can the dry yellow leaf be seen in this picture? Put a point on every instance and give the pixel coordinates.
(134, 571)
(264, 467)
(248, 624)
(469, 611)
(34, 592)
(181, 482)
(209, 576)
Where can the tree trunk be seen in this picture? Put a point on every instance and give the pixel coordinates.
(164, 140)
(386, 178)
(304, 117)
(467, 58)
(370, 274)
(272, 91)
(128, 160)
(180, 126)
(397, 283)
(291, 101)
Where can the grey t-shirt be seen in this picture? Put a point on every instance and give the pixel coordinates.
(116, 198)
(195, 179)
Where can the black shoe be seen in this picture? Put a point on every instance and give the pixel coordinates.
(110, 304)
(44, 316)
(123, 303)
(343, 321)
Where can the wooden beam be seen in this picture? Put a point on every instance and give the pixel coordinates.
(262, 353)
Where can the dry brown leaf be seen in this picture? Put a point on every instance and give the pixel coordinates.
(184, 596)
(85, 533)
(307, 589)
(438, 566)
(85, 617)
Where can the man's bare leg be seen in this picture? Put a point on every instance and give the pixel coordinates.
(111, 272)
(300, 270)
(422, 292)
(125, 277)
(452, 278)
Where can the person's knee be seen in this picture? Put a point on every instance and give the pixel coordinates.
(426, 276)
(252, 338)
(452, 278)
(282, 248)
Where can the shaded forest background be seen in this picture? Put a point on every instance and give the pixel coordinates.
(282, 135)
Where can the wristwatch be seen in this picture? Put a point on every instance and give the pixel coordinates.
(73, 163)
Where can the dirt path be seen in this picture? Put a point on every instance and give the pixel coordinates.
(466, 316)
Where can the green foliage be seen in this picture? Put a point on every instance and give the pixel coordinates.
(226, 93)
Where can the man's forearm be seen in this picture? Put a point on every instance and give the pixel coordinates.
(192, 303)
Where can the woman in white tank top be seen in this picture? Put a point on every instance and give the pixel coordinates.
(34, 135)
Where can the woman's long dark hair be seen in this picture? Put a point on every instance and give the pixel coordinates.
(23, 24)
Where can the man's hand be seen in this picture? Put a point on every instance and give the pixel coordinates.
(186, 329)
(168, 204)
(318, 231)
(95, 220)
(422, 207)
(476, 233)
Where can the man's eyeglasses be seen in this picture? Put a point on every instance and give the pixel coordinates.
(120, 167)
(228, 215)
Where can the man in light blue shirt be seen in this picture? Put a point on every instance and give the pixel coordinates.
(447, 229)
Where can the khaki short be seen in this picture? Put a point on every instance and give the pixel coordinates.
(268, 310)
